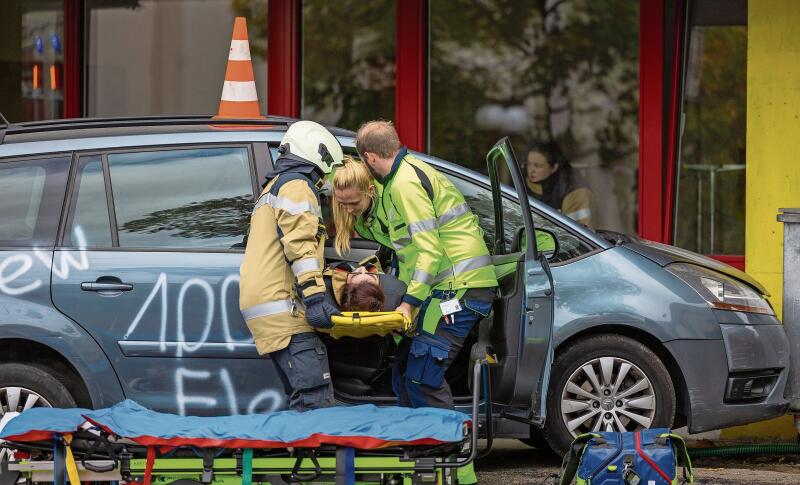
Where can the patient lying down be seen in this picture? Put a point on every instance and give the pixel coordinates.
(363, 288)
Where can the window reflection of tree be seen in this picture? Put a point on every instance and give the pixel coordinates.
(568, 68)
(348, 61)
(480, 202)
(223, 218)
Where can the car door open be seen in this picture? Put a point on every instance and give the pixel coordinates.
(535, 319)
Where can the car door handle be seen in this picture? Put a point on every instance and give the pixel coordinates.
(93, 286)
(106, 285)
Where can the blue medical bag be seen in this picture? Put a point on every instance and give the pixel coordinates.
(647, 457)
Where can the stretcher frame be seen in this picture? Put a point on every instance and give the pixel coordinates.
(339, 465)
(361, 324)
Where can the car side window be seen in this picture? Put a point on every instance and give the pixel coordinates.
(89, 224)
(31, 197)
(479, 198)
(186, 198)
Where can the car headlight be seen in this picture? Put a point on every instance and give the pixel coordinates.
(721, 291)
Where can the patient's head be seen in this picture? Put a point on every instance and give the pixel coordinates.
(362, 293)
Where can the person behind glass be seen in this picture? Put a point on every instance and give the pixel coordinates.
(551, 179)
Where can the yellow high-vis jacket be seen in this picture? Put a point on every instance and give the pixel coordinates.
(285, 245)
(372, 224)
(437, 238)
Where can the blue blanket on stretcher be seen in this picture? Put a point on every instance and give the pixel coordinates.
(364, 427)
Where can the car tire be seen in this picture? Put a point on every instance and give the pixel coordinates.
(645, 390)
(18, 381)
(536, 440)
(24, 386)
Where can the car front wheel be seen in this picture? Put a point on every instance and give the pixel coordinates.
(606, 383)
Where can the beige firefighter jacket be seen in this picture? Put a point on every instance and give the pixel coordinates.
(285, 245)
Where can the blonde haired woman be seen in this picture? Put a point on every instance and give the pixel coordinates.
(355, 206)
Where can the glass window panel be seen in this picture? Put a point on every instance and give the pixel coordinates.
(348, 61)
(91, 209)
(561, 72)
(479, 199)
(198, 198)
(166, 57)
(22, 195)
(710, 212)
(31, 195)
(32, 59)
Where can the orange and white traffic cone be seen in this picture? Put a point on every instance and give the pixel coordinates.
(239, 97)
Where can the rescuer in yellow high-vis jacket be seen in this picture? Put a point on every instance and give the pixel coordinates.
(442, 258)
(281, 291)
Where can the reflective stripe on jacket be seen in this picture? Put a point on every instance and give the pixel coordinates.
(286, 244)
(438, 241)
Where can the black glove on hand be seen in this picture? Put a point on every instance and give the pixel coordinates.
(319, 310)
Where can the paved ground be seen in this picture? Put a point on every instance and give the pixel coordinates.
(512, 463)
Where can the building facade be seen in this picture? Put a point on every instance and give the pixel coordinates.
(679, 114)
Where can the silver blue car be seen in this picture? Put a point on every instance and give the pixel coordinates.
(120, 245)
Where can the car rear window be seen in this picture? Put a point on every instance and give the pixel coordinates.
(192, 198)
(89, 223)
(31, 197)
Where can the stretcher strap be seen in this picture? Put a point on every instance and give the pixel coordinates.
(59, 470)
(349, 466)
(148, 469)
(247, 466)
(72, 468)
(345, 466)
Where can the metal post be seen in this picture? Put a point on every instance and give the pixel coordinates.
(699, 215)
(712, 195)
(791, 303)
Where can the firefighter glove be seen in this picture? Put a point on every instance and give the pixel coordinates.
(319, 310)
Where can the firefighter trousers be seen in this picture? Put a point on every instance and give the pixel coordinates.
(305, 373)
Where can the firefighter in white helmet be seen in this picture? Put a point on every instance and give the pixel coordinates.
(282, 293)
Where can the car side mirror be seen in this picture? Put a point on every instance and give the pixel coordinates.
(546, 242)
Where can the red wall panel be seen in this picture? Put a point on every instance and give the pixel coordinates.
(651, 119)
(283, 58)
(73, 13)
(410, 96)
(675, 102)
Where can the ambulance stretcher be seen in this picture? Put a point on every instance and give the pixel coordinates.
(342, 445)
(364, 324)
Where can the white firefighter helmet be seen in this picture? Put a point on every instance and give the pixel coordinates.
(313, 143)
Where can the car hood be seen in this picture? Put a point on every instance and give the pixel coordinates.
(663, 255)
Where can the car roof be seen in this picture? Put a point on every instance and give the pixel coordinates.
(88, 133)
(37, 131)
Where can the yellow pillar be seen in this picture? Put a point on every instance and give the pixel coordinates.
(773, 159)
(773, 132)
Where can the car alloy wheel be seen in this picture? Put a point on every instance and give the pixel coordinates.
(14, 399)
(607, 394)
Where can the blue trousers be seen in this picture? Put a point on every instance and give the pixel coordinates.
(418, 375)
